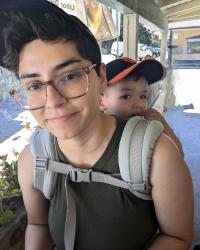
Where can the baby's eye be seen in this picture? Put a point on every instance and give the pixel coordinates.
(143, 97)
(125, 97)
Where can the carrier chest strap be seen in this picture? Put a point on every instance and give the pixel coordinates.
(86, 175)
(78, 175)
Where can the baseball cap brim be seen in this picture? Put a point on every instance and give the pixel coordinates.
(151, 69)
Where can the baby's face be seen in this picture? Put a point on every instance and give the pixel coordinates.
(126, 98)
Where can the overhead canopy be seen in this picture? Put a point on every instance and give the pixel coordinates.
(159, 12)
(182, 10)
(94, 14)
(148, 9)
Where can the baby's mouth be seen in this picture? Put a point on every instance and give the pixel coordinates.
(135, 114)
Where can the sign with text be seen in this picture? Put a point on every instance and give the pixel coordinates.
(94, 14)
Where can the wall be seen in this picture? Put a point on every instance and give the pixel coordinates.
(180, 38)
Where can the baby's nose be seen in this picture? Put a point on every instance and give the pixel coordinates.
(137, 104)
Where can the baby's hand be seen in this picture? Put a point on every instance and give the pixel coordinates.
(152, 114)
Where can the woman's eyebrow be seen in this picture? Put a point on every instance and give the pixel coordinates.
(65, 63)
(55, 68)
(31, 75)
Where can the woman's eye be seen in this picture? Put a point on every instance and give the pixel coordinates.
(72, 76)
(68, 77)
(34, 86)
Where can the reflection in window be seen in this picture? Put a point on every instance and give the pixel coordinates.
(193, 45)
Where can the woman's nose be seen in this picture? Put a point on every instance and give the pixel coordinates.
(53, 97)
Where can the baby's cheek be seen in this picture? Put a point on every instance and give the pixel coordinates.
(125, 114)
(118, 111)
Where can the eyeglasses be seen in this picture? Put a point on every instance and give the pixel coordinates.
(71, 85)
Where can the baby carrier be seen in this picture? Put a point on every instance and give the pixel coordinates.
(134, 156)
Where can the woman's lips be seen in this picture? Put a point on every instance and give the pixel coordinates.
(62, 118)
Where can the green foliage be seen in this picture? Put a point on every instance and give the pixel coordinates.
(37, 127)
(6, 217)
(27, 125)
(9, 185)
(10, 193)
(146, 37)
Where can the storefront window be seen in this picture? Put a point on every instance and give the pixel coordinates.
(193, 45)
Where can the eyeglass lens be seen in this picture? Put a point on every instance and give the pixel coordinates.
(70, 85)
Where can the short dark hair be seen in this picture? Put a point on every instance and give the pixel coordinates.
(51, 26)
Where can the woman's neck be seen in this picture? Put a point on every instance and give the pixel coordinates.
(86, 149)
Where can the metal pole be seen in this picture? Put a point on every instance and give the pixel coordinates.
(170, 49)
(117, 23)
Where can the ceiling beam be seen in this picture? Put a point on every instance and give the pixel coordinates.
(147, 9)
(190, 16)
(168, 3)
(184, 19)
(184, 13)
(189, 6)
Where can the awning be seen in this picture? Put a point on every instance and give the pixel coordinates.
(94, 14)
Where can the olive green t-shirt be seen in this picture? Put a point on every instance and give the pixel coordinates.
(107, 217)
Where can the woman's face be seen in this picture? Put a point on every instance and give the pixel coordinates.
(41, 62)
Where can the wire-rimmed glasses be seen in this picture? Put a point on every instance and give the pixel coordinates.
(71, 85)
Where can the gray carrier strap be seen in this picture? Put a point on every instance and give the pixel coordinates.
(42, 145)
(135, 152)
(83, 175)
(134, 156)
(70, 223)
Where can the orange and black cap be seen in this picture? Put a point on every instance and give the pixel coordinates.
(120, 68)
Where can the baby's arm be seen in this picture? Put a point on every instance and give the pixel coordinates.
(152, 114)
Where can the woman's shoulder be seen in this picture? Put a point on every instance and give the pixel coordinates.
(167, 160)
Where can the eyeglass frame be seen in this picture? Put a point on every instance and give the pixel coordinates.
(52, 83)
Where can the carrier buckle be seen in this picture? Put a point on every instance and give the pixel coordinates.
(83, 175)
(140, 186)
(41, 162)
